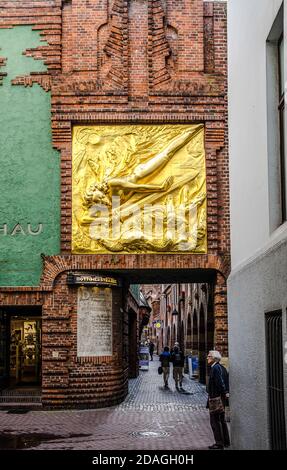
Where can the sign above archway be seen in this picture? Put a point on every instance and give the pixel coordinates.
(139, 189)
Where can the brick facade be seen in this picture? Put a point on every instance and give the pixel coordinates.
(124, 62)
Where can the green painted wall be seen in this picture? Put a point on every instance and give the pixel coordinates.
(29, 166)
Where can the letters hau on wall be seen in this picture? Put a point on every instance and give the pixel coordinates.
(139, 189)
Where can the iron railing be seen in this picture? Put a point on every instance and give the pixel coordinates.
(275, 383)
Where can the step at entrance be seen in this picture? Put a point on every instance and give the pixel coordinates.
(19, 398)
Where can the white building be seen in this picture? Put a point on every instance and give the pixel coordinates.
(258, 176)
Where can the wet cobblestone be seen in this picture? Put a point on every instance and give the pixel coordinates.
(151, 418)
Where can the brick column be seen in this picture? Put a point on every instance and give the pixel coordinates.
(70, 380)
(220, 316)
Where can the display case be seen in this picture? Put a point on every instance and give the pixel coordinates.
(25, 350)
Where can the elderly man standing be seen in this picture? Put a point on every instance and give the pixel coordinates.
(218, 392)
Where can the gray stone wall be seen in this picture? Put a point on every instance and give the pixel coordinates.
(254, 289)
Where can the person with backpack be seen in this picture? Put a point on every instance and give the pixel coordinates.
(165, 362)
(218, 393)
(177, 358)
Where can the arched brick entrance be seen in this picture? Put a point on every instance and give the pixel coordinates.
(202, 345)
(96, 79)
(69, 381)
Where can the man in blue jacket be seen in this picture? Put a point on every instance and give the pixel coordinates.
(218, 393)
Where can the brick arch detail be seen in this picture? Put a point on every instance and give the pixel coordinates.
(55, 265)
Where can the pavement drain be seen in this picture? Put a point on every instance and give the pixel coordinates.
(148, 434)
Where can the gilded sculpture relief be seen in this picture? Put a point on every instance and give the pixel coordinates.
(139, 189)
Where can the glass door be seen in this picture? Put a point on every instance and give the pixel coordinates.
(25, 350)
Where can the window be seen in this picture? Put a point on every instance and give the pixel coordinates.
(277, 167)
(281, 108)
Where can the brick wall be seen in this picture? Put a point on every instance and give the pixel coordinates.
(124, 62)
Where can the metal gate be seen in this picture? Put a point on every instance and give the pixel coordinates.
(275, 383)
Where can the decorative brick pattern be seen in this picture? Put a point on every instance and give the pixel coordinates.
(208, 38)
(44, 16)
(116, 46)
(44, 80)
(159, 48)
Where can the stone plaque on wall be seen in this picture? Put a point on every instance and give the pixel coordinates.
(94, 325)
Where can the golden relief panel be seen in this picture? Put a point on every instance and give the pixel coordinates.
(139, 189)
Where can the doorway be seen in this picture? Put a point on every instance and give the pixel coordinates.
(20, 346)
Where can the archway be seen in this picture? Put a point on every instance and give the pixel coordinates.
(167, 337)
(181, 336)
(195, 344)
(210, 322)
(133, 365)
(70, 292)
(173, 337)
(202, 346)
(188, 344)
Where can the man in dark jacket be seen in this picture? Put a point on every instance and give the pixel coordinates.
(177, 358)
(151, 350)
(218, 392)
(165, 362)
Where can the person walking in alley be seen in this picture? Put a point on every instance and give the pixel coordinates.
(165, 362)
(176, 344)
(177, 358)
(218, 393)
(151, 350)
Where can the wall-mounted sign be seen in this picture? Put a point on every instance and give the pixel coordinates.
(18, 229)
(93, 279)
(144, 358)
(157, 323)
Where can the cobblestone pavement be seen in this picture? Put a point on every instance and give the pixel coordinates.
(151, 418)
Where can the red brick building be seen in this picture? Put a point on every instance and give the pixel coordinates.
(123, 62)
